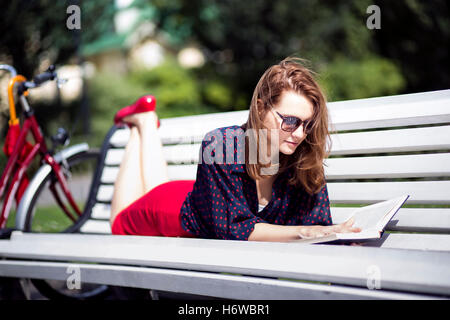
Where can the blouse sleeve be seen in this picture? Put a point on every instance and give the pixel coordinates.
(220, 202)
(318, 212)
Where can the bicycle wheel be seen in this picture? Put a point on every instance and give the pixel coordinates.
(45, 215)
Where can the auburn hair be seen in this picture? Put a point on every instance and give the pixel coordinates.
(307, 160)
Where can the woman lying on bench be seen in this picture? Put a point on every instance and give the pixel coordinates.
(243, 190)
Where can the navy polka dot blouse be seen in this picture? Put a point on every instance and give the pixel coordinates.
(224, 204)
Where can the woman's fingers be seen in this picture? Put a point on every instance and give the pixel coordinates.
(349, 222)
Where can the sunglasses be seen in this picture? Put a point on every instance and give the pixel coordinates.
(291, 123)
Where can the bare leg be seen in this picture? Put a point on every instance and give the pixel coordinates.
(153, 164)
(143, 166)
(128, 186)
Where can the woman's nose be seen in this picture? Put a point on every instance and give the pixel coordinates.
(299, 133)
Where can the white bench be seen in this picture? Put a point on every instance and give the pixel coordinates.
(384, 147)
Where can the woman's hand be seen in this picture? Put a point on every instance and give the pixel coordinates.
(345, 227)
(310, 232)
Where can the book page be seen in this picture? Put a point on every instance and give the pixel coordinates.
(370, 216)
(371, 219)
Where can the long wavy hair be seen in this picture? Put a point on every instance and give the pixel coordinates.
(307, 160)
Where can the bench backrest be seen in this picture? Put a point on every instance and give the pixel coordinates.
(382, 148)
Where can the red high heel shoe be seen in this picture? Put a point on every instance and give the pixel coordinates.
(143, 104)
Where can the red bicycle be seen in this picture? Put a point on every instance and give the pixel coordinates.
(59, 197)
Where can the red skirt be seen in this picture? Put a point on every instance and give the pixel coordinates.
(156, 213)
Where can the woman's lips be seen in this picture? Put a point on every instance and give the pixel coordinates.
(292, 143)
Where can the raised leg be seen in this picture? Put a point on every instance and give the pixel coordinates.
(143, 166)
(153, 164)
(128, 186)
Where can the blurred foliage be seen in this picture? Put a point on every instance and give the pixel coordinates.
(415, 34)
(172, 85)
(240, 39)
(33, 30)
(370, 77)
(218, 94)
(176, 90)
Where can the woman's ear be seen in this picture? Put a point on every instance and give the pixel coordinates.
(260, 105)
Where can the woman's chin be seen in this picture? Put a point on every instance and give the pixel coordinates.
(287, 151)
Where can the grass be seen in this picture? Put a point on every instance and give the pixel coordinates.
(47, 219)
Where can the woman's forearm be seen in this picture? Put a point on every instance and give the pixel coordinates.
(273, 232)
(280, 233)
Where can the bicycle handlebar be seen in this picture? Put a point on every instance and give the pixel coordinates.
(9, 68)
(50, 74)
(24, 85)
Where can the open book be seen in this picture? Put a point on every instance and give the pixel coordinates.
(370, 219)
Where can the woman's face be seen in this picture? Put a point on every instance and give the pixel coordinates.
(290, 104)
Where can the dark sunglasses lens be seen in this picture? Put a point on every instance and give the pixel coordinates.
(290, 123)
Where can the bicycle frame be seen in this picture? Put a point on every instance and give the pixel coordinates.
(17, 171)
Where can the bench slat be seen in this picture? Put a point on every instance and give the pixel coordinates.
(433, 220)
(403, 166)
(96, 226)
(421, 192)
(401, 140)
(382, 112)
(403, 270)
(105, 193)
(392, 113)
(437, 242)
(407, 219)
(109, 174)
(114, 157)
(195, 282)
(101, 211)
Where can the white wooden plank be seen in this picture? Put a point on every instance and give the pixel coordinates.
(405, 270)
(182, 153)
(120, 137)
(406, 219)
(379, 112)
(391, 111)
(419, 97)
(421, 192)
(109, 174)
(436, 242)
(114, 157)
(182, 172)
(403, 166)
(105, 193)
(101, 211)
(194, 282)
(96, 226)
(399, 140)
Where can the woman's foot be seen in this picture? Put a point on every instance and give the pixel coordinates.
(141, 120)
(142, 105)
